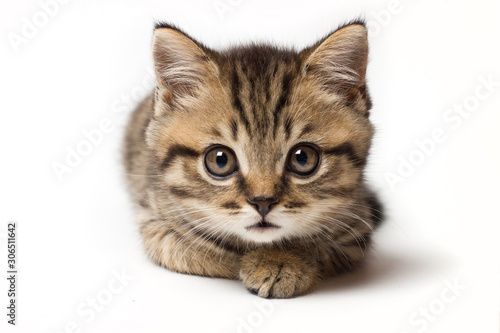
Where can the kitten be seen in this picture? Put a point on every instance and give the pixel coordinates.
(248, 163)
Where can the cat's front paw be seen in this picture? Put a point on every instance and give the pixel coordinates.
(273, 273)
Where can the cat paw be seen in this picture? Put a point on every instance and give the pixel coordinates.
(272, 273)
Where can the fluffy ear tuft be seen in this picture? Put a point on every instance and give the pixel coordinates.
(339, 61)
(181, 65)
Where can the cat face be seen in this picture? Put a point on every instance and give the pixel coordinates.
(258, 142)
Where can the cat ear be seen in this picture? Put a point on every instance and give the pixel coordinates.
(181, 65)
(339, 61)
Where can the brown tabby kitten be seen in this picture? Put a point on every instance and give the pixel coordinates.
(248, 163)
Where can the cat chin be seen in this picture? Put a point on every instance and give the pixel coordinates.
(264, 235)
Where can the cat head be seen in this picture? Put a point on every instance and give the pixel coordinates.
(259, 142)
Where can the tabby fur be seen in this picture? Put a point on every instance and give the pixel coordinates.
(260, 101)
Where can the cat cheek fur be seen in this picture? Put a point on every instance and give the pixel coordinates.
(277, 231)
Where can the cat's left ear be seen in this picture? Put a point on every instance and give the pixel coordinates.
(339, 61)
(182, 65)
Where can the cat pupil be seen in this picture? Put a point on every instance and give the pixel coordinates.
(301, 157)
(221, 159)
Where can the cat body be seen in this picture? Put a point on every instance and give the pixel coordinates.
(248, 163)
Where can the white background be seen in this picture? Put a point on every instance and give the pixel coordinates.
(83, 61)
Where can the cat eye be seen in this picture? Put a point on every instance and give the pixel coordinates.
(303, 160)
(220, 161)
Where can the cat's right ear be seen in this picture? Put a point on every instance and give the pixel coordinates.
(181, 64)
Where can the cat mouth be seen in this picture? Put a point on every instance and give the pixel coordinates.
(263, 225)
